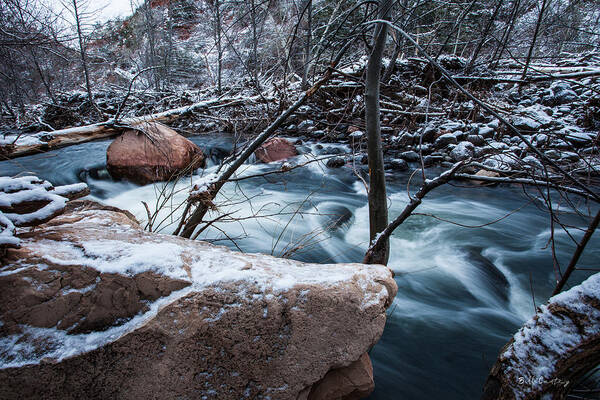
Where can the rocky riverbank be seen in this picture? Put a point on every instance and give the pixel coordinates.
(425, 120)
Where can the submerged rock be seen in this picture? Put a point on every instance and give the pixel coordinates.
(92, 306)
(150, 153)
(336, 162)
(275, 149)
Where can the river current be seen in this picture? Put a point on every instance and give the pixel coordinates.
(463, 291)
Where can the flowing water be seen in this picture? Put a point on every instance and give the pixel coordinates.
(463, 292)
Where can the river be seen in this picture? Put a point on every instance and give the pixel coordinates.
(463, 292)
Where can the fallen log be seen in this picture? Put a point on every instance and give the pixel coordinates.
(548, 356)
(533, 79)
(81, 134)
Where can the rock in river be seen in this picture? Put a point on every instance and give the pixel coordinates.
(150, 153)
(92, 306)
(275, 149)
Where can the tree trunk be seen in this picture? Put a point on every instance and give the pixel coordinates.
(307, 40)
(378, 212)
(535, 35)
(506, 36)
(219, 48)
(86, 73)
(254, 63)
(484, 35)
(390, 68)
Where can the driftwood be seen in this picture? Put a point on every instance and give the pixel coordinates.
(87, 133)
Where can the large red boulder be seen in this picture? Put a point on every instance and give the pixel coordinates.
(275, 149)
(152, 152)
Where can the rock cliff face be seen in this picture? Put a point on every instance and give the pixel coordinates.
(153, 152)
(91, 306)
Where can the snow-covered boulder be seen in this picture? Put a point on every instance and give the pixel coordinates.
(150, 153)
(486, 131)
(525, 123)
(462, 151)
(578, 138)
(532, 163)
(397, 164)
(552, 350)
(561, 93)
(502, 161)
(275, 149)
(92, 306)
(538, 114)
(446, 139)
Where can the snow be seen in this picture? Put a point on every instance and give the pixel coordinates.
(201, 264)
(57, 203)
(202, 183)
(113, 256)
(67, 190)
(9, 185)
(7, 231)
(550, 336)
(527, 123)
(15, 191)
(29, 189)
(503, 161)
(20, 140)
(462, 151)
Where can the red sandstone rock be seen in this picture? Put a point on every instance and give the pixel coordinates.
(152, 153)
(92, 306)
(347, 383)
(275, 149)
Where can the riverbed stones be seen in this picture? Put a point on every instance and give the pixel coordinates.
(397, 164)
(410, 156)
(275, 149)
(152, 152)
(462, 151)
(101, 309)
(336, 162)
(446, 139)
(560, 93)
